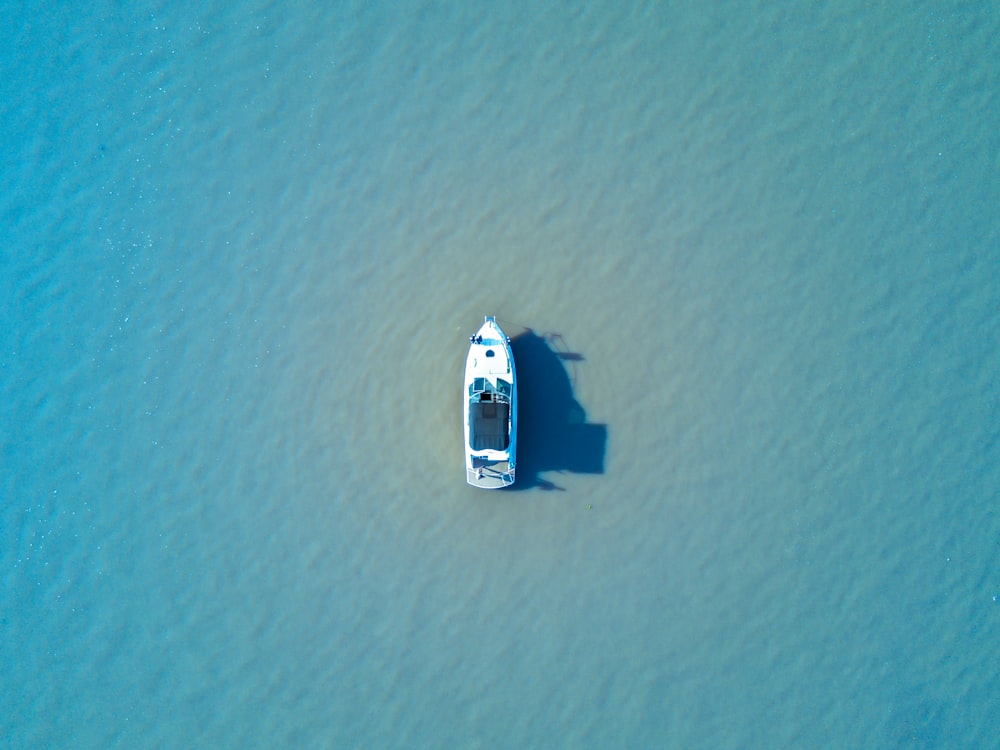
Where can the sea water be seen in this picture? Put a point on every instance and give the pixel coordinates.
(753, 247)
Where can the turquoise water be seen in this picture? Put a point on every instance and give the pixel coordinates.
(243, 247)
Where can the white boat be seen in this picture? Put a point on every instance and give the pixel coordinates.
(490, 408)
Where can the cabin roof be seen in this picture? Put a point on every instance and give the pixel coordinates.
(488, 421)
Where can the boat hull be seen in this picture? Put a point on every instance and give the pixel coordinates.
(490, 409)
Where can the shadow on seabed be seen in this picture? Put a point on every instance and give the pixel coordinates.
(552, 429)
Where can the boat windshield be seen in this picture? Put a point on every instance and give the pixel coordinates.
(504, 387)
(483, 386)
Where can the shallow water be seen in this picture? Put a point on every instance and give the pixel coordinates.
(750, 254)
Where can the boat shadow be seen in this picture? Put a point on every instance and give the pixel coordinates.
(552, 429)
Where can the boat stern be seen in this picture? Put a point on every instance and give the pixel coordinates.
(490, 475)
